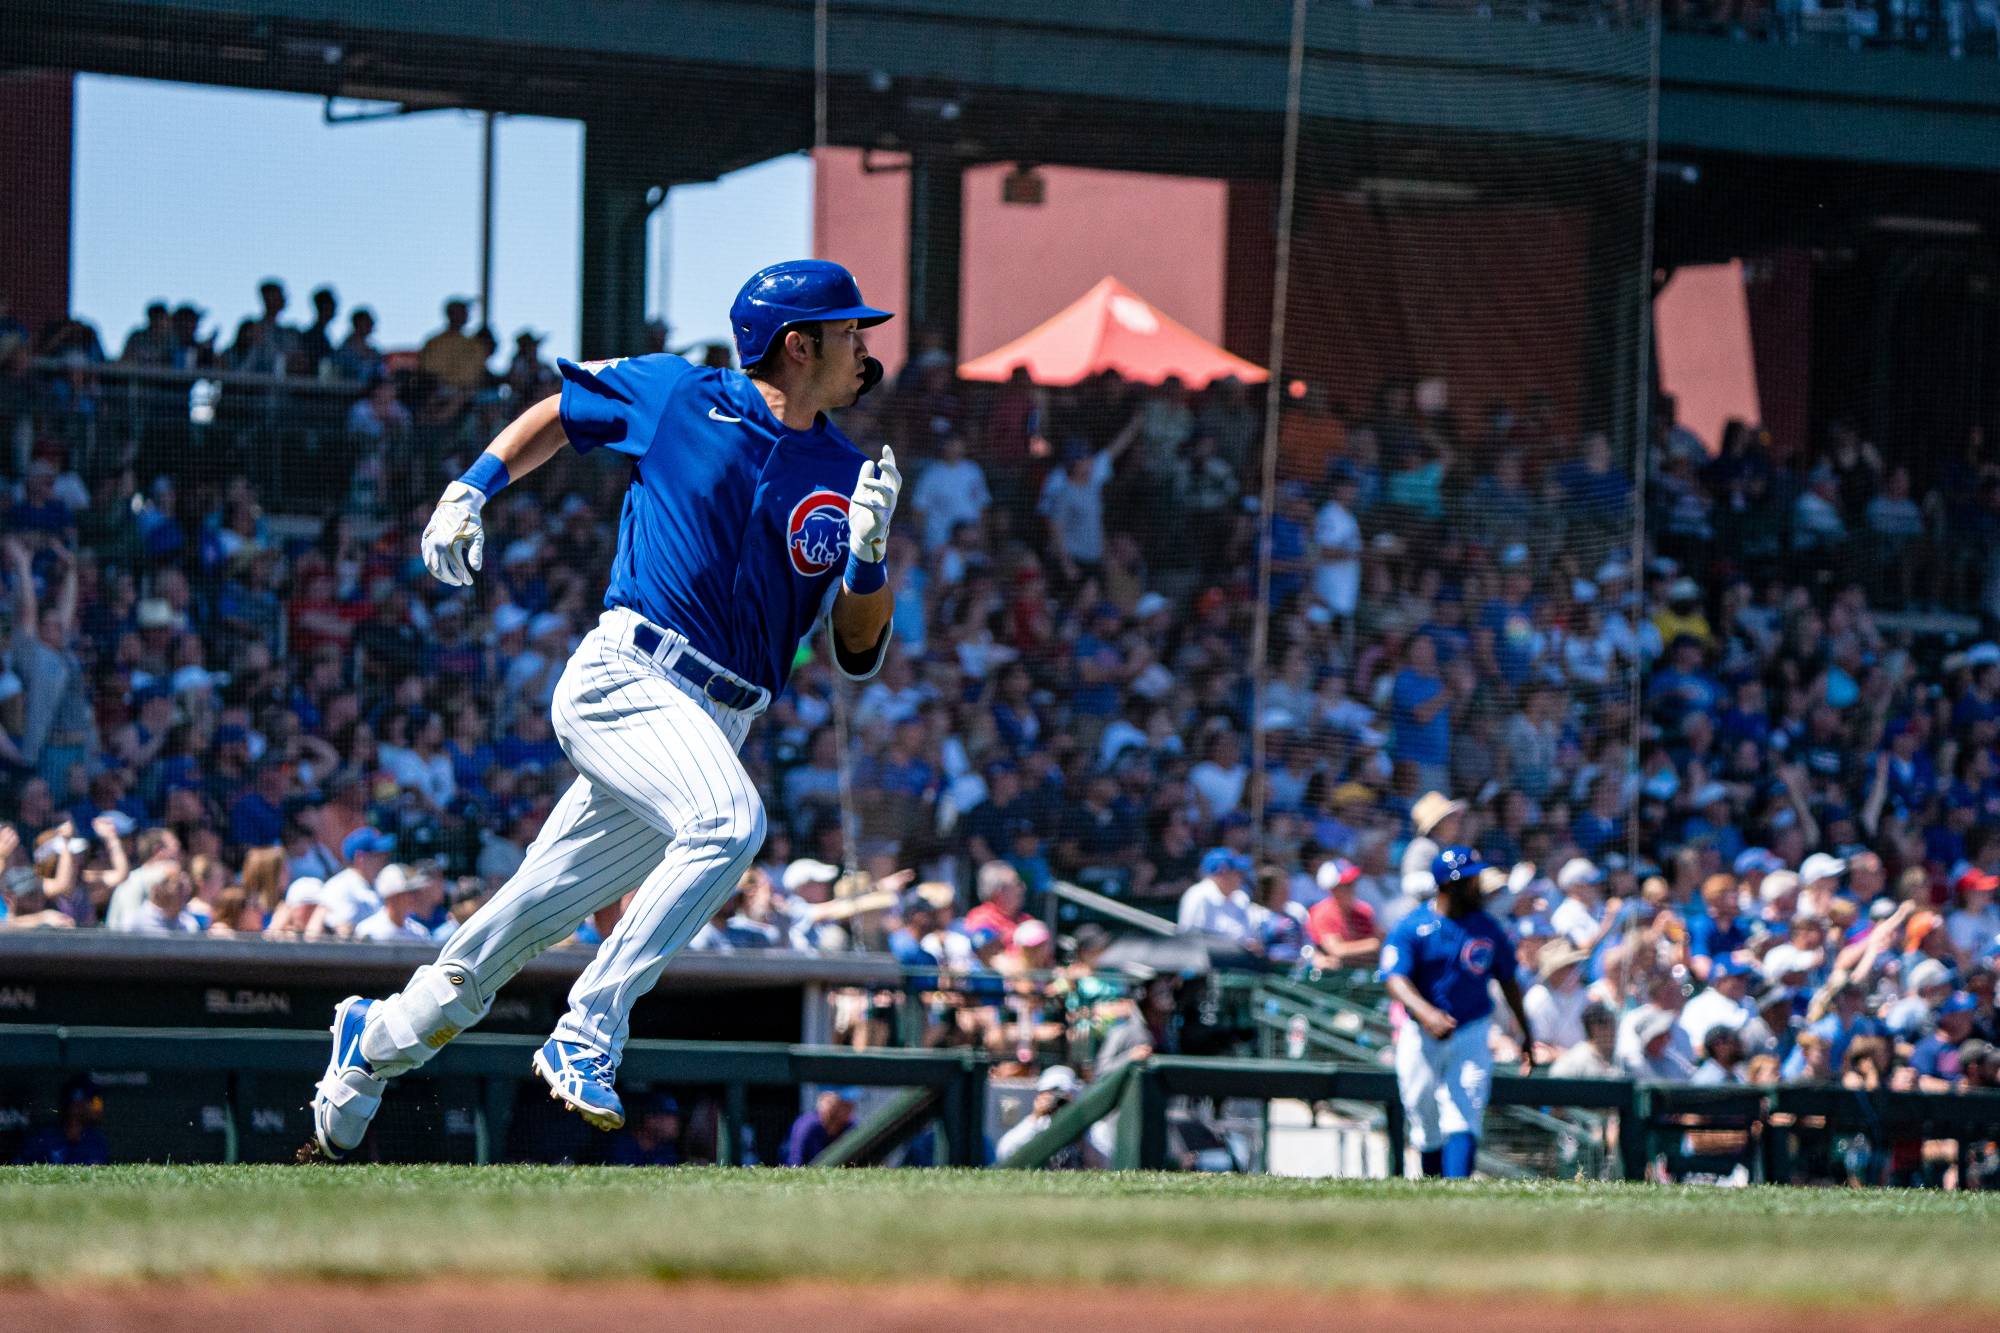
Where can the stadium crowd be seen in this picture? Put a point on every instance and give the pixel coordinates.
(1740, 828)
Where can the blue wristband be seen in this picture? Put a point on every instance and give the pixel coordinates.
(487, 475)
(865, 576)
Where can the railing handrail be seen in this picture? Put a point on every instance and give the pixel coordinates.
(176, 375)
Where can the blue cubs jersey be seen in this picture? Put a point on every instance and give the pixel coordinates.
(734, 529)
(1450, 959)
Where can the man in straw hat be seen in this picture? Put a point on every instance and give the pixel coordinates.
(1435, 821)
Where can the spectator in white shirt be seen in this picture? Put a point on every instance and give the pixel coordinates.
(1725, 1003)
(952, 490)
(1580, 916)
(354, 895)
(1816, 520)
(1337, 547)
(402, 897)
(1056, 1088)
(1073, 501)
(1555, 1003)
(1975, 926)
(1218, 903)
(165, 912)
(1218, 780)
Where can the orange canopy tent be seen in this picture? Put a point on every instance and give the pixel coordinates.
(1111, 327)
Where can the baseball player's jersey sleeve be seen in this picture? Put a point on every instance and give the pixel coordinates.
(1505, 962)
(1399, 951)
(854, 666)
(618, 404)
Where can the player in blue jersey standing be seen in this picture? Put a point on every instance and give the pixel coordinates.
(748, 519)
(1439, 963)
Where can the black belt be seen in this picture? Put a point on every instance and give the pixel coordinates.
(720, 686)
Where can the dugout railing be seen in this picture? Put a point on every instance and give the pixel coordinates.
(1659, 1126)
(942, 1087)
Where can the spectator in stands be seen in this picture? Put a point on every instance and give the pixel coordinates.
(159, 855)
(1072, 503)
(1337, 547)
(378, 418)
(1935, 1058)
(1654, 1055)
(401, 891)
(165, 911)
(1345, 930)
(1974, 927)
(1556, 1003)
(1724, 1003)
(78, 1139)
(1002, 906)
(353, 895)
(316, 339)
(950, 491)
(1420, 717)
(452, 356)
(1281, 928)
(653, 1138)
(152, 343)
(1591, 1057)
(817, 1129)
(1218, 904)
(357, 359)
(1055, 1088)
(1722, 1057)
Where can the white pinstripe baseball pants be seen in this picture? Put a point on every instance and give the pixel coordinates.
(661, 801)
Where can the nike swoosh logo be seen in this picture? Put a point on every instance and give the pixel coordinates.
(715, 414)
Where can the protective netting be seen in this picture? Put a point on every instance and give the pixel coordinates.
(1104, 671)
(1456, 523)
(1310, 454)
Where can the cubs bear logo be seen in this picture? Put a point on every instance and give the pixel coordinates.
(1477, 956)
(817, 532)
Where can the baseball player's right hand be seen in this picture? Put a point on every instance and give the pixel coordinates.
(454, 540)
(874, 501)
(1438, 1023)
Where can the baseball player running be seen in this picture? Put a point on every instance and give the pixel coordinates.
(1438, 964)
(748, 519)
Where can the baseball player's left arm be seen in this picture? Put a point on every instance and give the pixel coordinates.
(1510, 991)
(454, 541)
(862, 608)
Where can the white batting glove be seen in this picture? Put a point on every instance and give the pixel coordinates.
(454, 541)
(868, 511)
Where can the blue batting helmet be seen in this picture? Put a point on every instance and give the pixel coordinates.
(789, 293)
(1454, 864)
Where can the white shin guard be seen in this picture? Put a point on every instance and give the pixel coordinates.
(407, 1029)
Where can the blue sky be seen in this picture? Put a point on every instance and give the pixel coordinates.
(192, 193)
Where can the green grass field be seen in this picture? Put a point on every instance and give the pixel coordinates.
(1778, 1245)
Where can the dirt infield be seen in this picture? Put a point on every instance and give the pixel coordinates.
(820, 1307)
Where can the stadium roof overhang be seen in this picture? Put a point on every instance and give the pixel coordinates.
(1119, 83)
(1760, 145)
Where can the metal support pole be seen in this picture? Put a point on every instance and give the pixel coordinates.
(937, 222)
(729, 1126)
(1634, 1136)
(232, 1147)
(1397, 1128)
(486, 164)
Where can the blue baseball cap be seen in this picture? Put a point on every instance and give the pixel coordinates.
(1729, 967)
(1757, 860)
(365, 841)
(1960, 1002)
(1454, 864)
(1218, 859)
